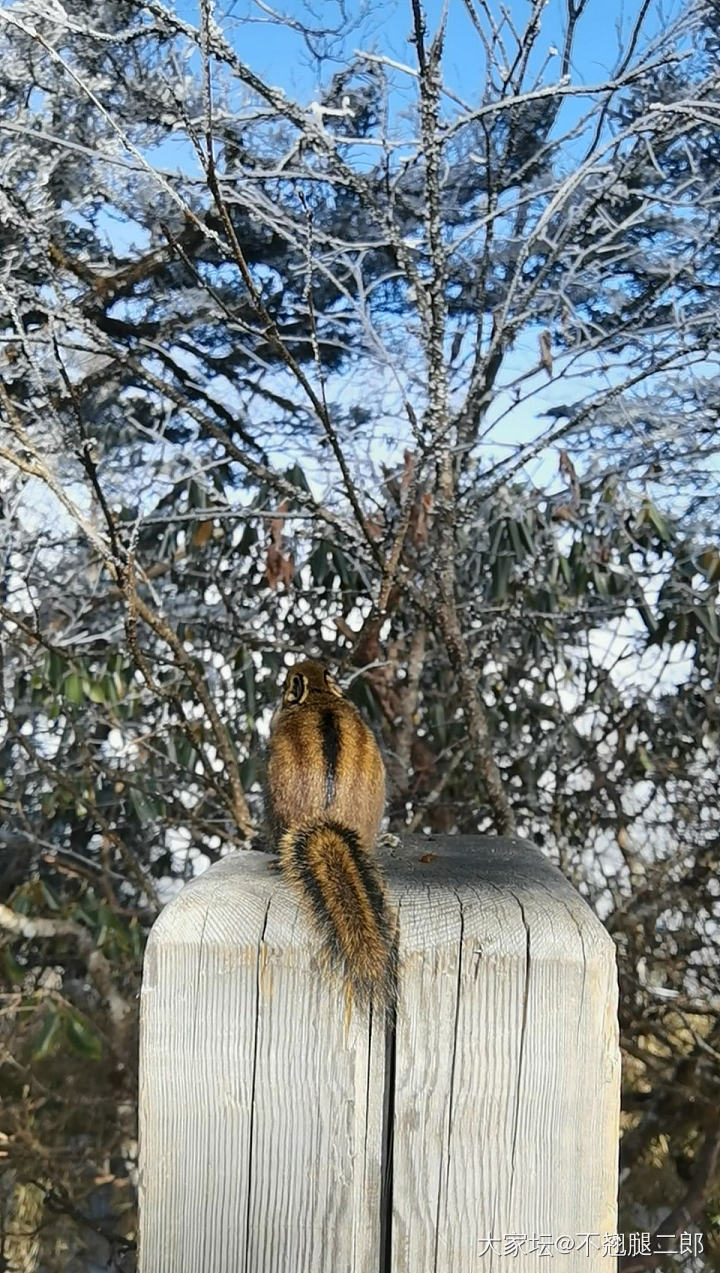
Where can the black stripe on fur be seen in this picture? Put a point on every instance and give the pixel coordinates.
(330, 736)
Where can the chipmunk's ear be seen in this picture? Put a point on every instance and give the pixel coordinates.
(332, 684)
(296, 689)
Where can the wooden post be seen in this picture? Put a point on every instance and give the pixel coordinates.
(283, 1133)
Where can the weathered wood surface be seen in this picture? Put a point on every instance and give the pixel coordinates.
(266, 1105)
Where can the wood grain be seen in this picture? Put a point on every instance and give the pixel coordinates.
(267, 1103)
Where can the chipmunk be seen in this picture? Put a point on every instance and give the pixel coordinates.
(325, 795)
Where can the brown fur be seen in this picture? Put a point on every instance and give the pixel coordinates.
(358, 930)
(325, 795)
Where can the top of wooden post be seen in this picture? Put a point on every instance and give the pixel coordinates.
(270, 1114)
(493, 886)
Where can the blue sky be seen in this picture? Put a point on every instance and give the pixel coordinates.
(279, 55)
(384, 27)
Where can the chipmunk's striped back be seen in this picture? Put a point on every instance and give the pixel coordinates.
(325, 800)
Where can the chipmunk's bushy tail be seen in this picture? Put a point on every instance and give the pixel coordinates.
(344, 890)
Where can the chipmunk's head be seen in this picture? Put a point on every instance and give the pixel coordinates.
(309, 681)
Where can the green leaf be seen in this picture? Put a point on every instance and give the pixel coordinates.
(136, 939)
(519, 539)
(658, 522)
(497, 540)
(143, 807)
(48, 897)
(342, 567)
(501, 569)
(50, 1035)
(319, 562)
(248, 680)
(438, 721)
(707, 617)
(55, 669)
(249, 771)
(297, 477)
(710, 564)
(600, 581)
(248, 538)
(197, 495)
(526, 535)
(13, 971)
(646, 614)
(20, 901)
(645, 761)
(72, 688)
(580, 578)
(80, 1036)
(517, 546)
(95, 691)
(82, 911)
